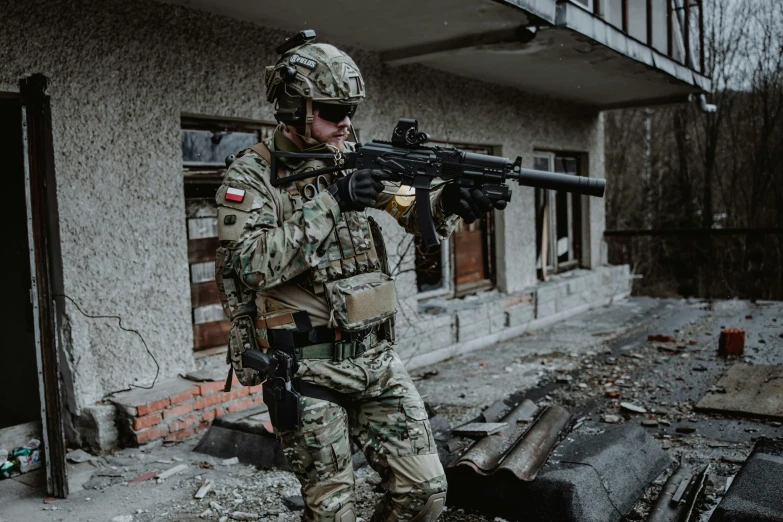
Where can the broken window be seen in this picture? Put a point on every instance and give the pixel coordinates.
(463, 263)
(558, 217)
(205, 144)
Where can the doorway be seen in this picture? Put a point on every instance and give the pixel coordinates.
(20, 402)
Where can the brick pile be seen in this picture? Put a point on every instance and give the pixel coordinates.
(178, 409)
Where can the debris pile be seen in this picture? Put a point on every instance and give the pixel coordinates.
(20, 460)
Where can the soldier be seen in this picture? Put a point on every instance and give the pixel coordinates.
(302, 270)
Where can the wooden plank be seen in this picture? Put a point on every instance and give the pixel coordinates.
(202, 294)
(469, 256)
(43, 238)
(202, 250)
(209, 335)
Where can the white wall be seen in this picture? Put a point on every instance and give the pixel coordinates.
(122, 73)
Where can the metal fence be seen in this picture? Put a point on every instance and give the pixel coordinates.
(716, 263)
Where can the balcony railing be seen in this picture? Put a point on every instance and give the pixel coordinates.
(683, 20)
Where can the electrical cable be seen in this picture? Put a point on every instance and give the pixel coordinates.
(119, 320)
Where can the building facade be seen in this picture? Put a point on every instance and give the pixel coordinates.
(144, 99)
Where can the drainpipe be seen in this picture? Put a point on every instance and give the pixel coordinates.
(706, 107)
(703, 105)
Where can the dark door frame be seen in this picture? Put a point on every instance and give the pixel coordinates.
(46, 269)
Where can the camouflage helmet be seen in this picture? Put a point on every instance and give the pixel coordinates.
(311, 72)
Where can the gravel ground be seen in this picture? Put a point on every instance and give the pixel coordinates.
(590, 364)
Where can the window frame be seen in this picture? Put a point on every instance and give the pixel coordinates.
(575, 205)
(448, 287)
(198, 180)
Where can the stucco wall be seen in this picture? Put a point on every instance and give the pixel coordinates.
(122, 73)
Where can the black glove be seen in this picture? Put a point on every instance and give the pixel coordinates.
(358, 190)
(467, 204)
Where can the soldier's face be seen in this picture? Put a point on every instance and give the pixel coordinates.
(330, 133)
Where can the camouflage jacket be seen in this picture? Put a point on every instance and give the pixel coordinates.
(279, 242)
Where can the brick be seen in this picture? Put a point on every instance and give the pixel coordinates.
(252, 390)
(181, 424)
(139, 423)
(179, 435)
(211, 414)
(208, 388)
(184, 396)
(178, 411)
(258, 399)
(203, 426)
(241, 405)
(151, 434)
(149, 407)
(731, 342)
(206, 402)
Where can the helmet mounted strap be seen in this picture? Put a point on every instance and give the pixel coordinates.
(308, 119)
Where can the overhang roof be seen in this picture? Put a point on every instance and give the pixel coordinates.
(572, 55)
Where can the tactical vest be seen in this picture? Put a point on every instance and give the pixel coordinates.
(352, 275)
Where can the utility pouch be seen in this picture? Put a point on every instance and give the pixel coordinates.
(242, 338)
(361, 301)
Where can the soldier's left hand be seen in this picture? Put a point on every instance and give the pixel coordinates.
(466, 203)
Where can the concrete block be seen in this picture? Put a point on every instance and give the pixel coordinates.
(577, 285)
(473, 330)
(754, 496)
(520, 314)
(497, 322)
(466, 317)
(97, 425)
(438, 339)
(576, 300)
(546, 309)
(547, 292)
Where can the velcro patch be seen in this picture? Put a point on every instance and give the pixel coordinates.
(235, 194)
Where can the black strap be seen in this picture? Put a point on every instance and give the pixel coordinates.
(317, 391)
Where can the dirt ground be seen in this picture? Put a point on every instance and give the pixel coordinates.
(590, 364)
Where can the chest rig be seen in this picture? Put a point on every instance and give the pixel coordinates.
(350, 251)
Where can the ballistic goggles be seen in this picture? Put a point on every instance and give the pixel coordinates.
(333, 112)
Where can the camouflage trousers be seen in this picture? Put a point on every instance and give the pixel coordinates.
(386, 419)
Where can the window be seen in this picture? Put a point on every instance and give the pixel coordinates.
(463, 263)
(558, 218)
(205, 144)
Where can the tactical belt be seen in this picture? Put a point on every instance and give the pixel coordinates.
(320, 343)
(338, 350)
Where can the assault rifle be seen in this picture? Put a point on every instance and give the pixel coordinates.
(414, 164)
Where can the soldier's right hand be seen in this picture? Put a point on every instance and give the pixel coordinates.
(358, 190)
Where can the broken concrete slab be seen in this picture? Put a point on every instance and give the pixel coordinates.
(595, 475)
(750, 391)
(755, 493)
(245, 435)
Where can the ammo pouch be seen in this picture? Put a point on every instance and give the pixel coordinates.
(361, 301)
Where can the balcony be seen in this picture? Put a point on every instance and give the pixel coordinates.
(600, 53)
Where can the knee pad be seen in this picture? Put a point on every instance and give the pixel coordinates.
(432, 508)
(346, 514)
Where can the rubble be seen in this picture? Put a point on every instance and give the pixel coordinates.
(78, 455)
(172, 471)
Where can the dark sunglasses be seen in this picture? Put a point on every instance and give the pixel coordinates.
(333, 112)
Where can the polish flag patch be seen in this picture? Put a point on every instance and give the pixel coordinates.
(234, 194)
